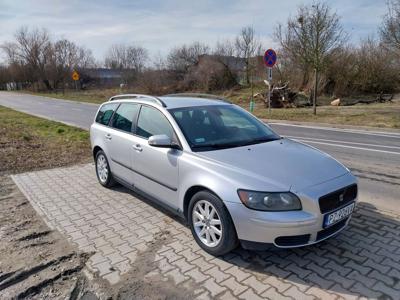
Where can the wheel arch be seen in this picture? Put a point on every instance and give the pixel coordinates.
(191, 192)
(96, 149)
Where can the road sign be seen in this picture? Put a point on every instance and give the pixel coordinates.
(75, 76)
(269, 73)
(270, 58)
(270, 61)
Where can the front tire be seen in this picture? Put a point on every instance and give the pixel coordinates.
(103, 171)
(211, 224)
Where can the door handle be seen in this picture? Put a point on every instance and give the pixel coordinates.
(108, 136)
(137, 147)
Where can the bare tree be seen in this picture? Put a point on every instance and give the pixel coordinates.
(85, 58)
(137, 56)
(159, 62)
(33, 57)
(30, 49)
(390, 28)
(180, 59)
(377, 68)
(310, 37)
(224, 52)
(247, 46)
(66, 57)
(121, 56)
(4, 77)
(116, 57)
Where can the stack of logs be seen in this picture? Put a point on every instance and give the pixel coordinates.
(284, 97)
(381, 98)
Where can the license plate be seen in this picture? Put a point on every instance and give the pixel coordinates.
(338, 215)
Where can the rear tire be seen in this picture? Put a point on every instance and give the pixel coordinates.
(211, 224)
(103, 170)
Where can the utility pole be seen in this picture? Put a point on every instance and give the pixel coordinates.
(315, 92)
(252, 90)
(270, 61)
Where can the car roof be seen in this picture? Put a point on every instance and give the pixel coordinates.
(170, 101)
(178, 102)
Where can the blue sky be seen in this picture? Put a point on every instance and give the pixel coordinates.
(160, 25)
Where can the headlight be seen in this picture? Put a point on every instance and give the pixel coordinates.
(270, 201)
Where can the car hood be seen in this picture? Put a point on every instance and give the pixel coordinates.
(283, 164)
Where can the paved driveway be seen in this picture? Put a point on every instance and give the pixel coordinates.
(127, 232)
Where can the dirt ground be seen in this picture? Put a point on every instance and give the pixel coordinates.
(37, 262)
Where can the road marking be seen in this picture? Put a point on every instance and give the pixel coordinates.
(341, 142)
(377, 133)
(345, 146)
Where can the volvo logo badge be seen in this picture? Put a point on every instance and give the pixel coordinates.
(341, 197)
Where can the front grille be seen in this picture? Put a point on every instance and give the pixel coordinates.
(337, 198)
(295, 240)
(331, 230)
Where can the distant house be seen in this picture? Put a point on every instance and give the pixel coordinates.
(104, 77)
(235, 64)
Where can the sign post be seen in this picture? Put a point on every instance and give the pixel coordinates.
(270, 61)
(75, 78)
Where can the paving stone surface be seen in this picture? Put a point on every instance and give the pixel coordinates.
(120, 226)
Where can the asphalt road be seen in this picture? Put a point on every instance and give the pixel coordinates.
(373, 156)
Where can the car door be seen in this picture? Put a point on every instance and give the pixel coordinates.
(157, 168)
(121, 140)
(100, 130)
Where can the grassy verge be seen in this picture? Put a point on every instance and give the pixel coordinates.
(91, 96)
(384, 115)
(30, 143)
(376, 115)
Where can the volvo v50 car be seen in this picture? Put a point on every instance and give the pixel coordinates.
(227, 173)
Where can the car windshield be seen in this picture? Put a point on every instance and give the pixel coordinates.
(216, 127)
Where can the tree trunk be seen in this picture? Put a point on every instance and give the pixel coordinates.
(247, 72)
(47, 84)
(315, 93)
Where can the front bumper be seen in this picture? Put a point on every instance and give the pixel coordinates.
(292, 228)
(297, 240)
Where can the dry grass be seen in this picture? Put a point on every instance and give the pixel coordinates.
(374, 115)
(31, 143)
(92, 96)
(385, 115)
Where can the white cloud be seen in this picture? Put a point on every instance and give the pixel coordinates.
(160, 25)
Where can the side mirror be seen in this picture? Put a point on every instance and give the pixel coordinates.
(162, 141)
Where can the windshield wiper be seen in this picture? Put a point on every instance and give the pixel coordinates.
(234, 144)
(213, 146)
(260, 140)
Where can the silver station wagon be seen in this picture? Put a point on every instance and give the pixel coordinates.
(229, 175)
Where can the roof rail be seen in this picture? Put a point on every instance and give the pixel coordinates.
(199, 95)
(138, 96)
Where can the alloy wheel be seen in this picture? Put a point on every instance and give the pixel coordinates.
(207, 223)
(102, 168)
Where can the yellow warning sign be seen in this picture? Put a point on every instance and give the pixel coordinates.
(75, 76)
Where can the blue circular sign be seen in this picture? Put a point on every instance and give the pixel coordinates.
(270, 58)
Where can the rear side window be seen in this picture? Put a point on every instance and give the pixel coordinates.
(105, 113)
(124, 116)
(152, 122)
